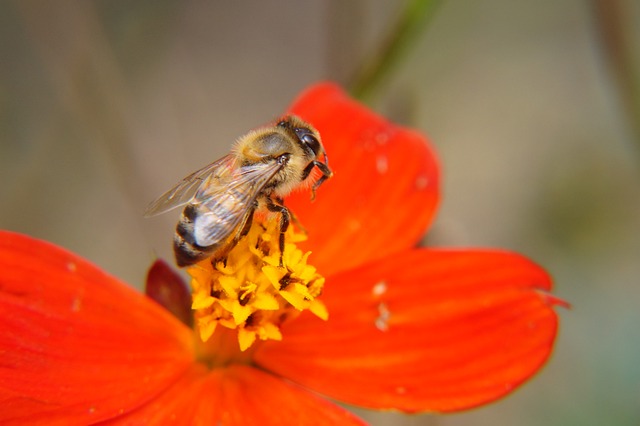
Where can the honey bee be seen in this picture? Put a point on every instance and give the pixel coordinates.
(263, 167)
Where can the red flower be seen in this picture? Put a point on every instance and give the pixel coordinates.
(409, 328)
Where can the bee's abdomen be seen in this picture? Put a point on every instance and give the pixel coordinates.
(186, 250)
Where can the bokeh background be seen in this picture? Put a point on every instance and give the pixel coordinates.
(105, 104)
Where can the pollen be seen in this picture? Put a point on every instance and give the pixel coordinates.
(252, 292)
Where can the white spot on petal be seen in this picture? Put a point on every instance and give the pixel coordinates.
(382, 164)
(379, 288)
(382, 138)
(422, 182)
(72, 267)
(76, 304)
(401, 390)
(382, 322)
(354, 225)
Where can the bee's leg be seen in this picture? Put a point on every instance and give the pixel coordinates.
(294, 218)
(326, 174)
(285, 217)
(246, 227)
(307, 170)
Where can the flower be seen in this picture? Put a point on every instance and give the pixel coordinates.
(252, 291)
(411, 329)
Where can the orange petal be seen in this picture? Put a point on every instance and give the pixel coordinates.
(385, 189)
(424, 330)
(239, 395)
(253, 397)
(193, 400)
(78, 346)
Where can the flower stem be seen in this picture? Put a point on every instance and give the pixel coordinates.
(412, 21)
(621, 55)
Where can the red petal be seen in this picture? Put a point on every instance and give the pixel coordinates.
(78, 346)
(385, 188)
(170, 291)
(239, 395)
(253, 397)
(424, 330)
(193, 400)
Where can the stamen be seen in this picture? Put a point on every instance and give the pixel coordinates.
(251, 292)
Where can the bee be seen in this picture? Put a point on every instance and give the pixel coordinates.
(264, 166)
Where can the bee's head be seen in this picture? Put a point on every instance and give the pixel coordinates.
(307, 139)
(304, 134)
(295, 145)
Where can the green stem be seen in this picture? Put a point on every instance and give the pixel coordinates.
(621, 54)
(413, 20)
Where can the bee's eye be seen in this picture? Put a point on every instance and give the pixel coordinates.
(312, 143)
(309, 140)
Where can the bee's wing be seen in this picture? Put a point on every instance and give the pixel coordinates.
(184, 191)
(225, 204)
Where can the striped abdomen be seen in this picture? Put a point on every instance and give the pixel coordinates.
(212, 228)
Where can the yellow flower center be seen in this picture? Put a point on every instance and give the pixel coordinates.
(251, 292)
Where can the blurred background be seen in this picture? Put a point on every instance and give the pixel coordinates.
(532, 107)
